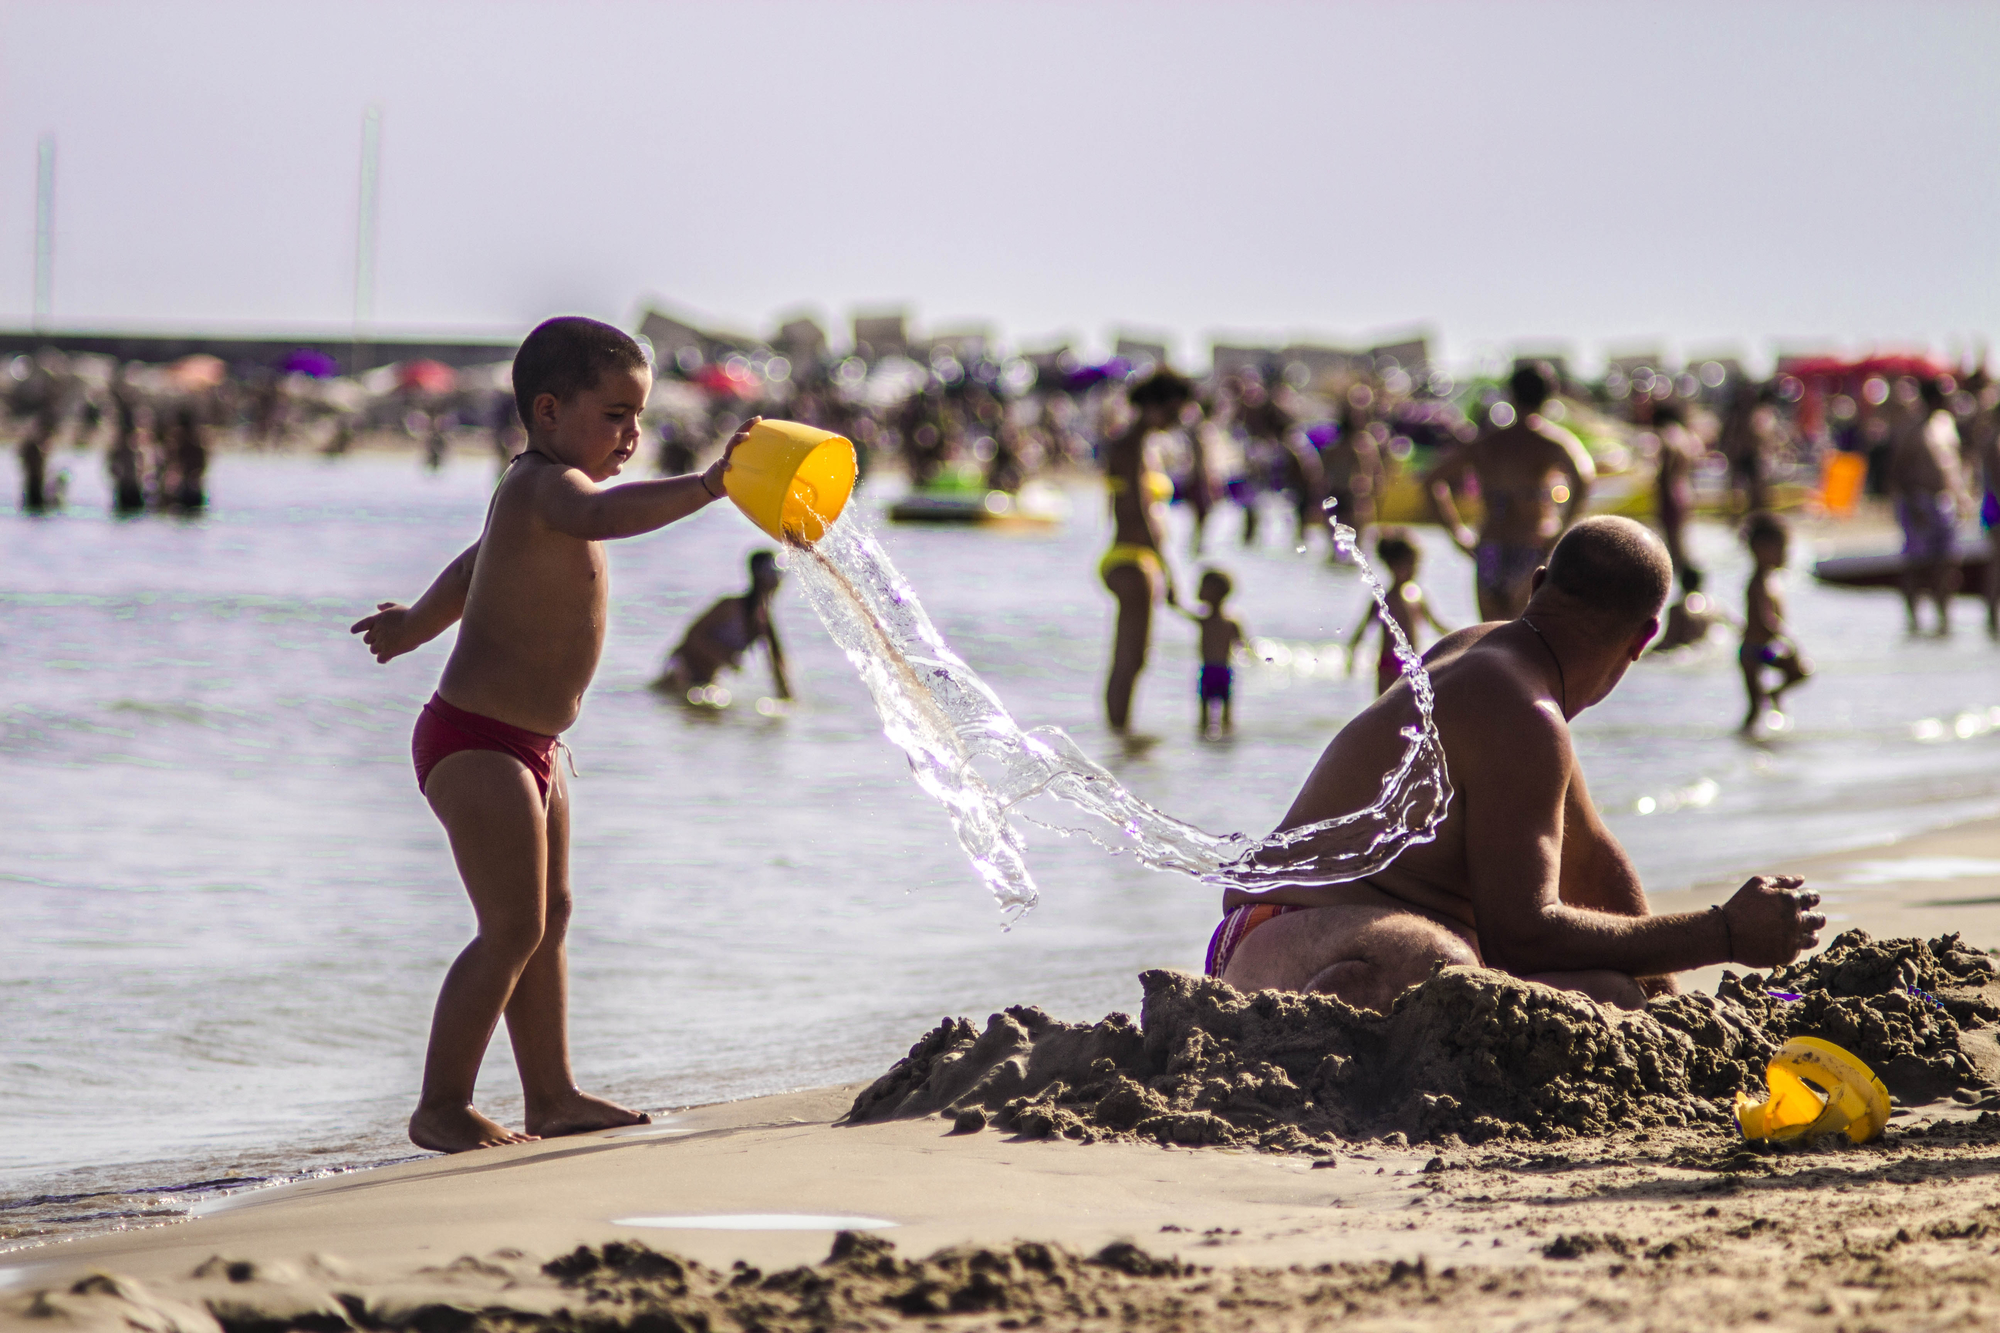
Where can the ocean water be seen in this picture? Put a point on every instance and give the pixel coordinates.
(228, 908)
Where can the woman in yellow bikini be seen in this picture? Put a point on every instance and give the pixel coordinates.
(1133, 568)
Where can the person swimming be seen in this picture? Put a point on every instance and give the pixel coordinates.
(722, 634)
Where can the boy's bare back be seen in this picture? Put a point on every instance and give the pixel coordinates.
(1219, 637)
(1763, 610)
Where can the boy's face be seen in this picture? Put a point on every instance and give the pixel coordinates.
(597, 429)
(1769, 552)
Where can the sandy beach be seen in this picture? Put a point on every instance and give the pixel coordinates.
(1659, 1227)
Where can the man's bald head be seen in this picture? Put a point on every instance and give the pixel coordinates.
(1613, 568)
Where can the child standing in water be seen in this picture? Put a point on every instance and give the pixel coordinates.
(1766, 644)
(1407, 604)
(1220, 637)
(530, 598)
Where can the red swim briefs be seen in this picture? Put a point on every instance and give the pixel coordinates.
(445, 730)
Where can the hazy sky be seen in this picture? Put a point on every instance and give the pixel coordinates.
(1504, 172)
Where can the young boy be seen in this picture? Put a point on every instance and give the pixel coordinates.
(726, 631)
(1220, 636)
(1398, 555)
(1765, 642)
(530, 595)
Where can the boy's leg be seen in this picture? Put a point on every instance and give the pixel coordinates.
(1753, 685)
(1792, 669)
(538, 1013)
(492, 812)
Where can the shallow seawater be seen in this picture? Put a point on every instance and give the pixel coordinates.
(229, 909)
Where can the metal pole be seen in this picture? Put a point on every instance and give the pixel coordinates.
(45, 230)
(364, 240)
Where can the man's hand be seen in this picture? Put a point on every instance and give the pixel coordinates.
(711, 480)
(1771, 920)
(387, 632)
(1465, 539)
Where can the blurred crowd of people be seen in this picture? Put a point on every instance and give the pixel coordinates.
(1380, 440)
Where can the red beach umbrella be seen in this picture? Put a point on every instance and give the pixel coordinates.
(426, 376)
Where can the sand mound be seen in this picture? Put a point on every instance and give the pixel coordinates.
(1469, 1053)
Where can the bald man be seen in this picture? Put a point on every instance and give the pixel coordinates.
(1522, 875)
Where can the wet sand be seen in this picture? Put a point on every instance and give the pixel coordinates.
(1674, 1226)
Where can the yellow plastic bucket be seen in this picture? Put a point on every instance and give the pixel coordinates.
(1854, 1100)
(790, 479)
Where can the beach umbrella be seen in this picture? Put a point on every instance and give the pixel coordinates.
(200, 371)
(426, 376)
(722, 381)
(311, 361)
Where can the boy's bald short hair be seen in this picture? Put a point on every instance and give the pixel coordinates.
(1616, 568)
(567, 355)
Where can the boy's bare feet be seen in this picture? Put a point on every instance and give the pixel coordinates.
(579, 1113)
(459, 1129)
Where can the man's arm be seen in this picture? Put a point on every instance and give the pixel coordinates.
(396, 629)
(1596, 872)
(575, 506)
(1573, 461)
(1515, 791)
(1442, 482)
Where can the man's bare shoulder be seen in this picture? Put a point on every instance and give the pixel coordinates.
(1491, 693)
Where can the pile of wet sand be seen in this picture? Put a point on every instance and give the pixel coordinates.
(1470, 1054)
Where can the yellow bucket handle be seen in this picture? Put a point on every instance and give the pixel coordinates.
(1853, 1099)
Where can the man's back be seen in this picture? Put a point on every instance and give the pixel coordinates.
(534, 619)
(1487, 704)
(1514, 465)
(1923, 457)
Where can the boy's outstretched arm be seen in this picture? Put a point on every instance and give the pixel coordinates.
(396, 629)
(574, 505)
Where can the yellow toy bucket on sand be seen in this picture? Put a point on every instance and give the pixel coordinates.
(1854, 1099)
(791, 480)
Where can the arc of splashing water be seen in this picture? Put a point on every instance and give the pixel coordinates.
(946, 720)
